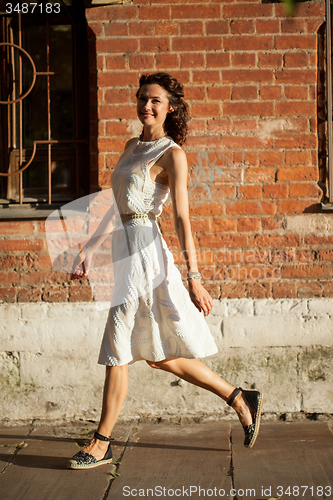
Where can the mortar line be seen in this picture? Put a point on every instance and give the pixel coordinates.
(107, 491)
(18, 448)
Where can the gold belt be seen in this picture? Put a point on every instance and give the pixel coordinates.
(126, 217)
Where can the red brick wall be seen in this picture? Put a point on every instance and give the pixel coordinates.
(250, 77)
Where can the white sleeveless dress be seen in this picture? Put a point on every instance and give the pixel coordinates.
(152, 316)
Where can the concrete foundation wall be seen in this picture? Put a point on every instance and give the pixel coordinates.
(48, 359)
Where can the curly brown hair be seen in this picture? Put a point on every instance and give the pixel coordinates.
(176, 122)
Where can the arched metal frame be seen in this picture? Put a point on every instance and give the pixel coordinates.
(49, 142)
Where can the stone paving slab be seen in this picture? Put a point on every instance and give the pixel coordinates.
(286, 456)
(165, 461)
(174, 457)
(38, 471)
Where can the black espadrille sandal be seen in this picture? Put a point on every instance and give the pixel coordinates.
(255, 400)
(83, 460)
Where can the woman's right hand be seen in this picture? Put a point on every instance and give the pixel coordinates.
(81, 264)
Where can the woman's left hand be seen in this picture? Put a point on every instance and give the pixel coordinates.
(200, 297)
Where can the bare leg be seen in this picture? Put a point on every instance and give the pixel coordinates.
(195, 372)
(115, 391)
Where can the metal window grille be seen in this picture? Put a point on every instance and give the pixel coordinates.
(43, 138)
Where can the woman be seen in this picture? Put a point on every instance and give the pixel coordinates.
(159, 321)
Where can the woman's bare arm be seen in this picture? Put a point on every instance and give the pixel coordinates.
(177, 173)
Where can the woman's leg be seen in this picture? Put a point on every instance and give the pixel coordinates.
(195, 372)
(115, 390)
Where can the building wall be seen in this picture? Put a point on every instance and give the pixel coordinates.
(253, 82)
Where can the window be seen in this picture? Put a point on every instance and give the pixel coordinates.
(44, 104)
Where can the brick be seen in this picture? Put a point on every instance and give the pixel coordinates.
(249, 42)
(258, 290)
(111, 13)
(246, 11)
(318, 240)
(167, 61)
(302, 141)
(296, 108)
(244, 126)
(30, 245)
(296, 76)
(327, 289)
(141, 28)
(111, 45)
(296, 60)
(297, 174)
(264, 26)
(270, 92)
(305, 256)
(271, 158)
(241, 26)
(111, 144)
(246, 59)
(212, 11)
(296, 92)
(195, 93)
(16, 227)
(259, 174)
(304, 271)
(283, 290)
(193, 44)
(222, 240)
(204, 142)
(120, 112)
(293, 25)
(250, 109)
(304, 190)
(164, 28)
(154, 44)
(248, 225)
(8, 294)
(117, 79)
(10, 278)
(200, 226)
(116, 128)
(245, 93)
(219, 93)
(192, 60)
(231, 291)
(221, 191)
(286, 42)
(205, 109)
(141, 61)
(243, 142)
(116, 96)
(275, 191)
(273, 240)
(29, 295)
(246, 76)
(197, 126)
(94, 30)
(308, 289)
(298, 158)
(271, 223)
(116, 29)
(292, 206)
(154, 12)
(310, 10)
(217, 27)
(326, 255)
(218, 60)
(249, 192)
(55, 294)
(207, 76)
(246, 158)
(219, 126)
(250, 207)
(80, 293)
(269, 60)
(223, 225)
(205, 209)
(192, 28)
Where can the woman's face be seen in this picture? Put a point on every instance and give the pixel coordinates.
(153, 105)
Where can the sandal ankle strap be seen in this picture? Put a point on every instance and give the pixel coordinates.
(99, 436)
(235, 394)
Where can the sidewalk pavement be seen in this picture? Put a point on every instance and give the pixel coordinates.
(292, 460)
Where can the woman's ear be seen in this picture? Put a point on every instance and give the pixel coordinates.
(171, 110)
